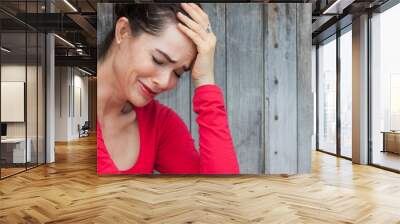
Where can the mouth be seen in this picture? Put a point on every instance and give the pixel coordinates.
(147, 90)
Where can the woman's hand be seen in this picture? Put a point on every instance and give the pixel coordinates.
(196, 30)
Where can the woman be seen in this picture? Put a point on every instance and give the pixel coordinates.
(146, 53)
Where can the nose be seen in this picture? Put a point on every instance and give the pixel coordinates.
(162, 80)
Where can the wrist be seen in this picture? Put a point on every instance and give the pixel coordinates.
(203, 81)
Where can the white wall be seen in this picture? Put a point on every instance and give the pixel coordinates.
(33, 127)
(68, 83)
(61, 103)
(80, 83)
(12, 73)
(12, 100)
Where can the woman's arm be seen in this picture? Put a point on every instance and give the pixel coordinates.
(177, 153)
(176, 150)
(215, 141)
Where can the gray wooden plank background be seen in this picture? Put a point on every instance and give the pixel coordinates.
(305, 104)
(263, 65)
(281, 71)
(244, 83)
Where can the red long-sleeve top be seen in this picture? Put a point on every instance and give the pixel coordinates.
(167, 146)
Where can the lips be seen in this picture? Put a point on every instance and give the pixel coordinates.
(146, 90)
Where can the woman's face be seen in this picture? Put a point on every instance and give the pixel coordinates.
(147, 65)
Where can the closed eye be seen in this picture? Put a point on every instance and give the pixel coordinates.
(156, 61)
(161, 63)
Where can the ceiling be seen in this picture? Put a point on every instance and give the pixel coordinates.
(332, 15)
(72, 20)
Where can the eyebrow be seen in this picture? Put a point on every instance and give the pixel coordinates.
(166, 55)
(185, 68)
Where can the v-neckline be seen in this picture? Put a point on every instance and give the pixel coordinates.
(138, 117)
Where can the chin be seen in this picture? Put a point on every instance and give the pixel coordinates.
(137, 98)
(139, 101)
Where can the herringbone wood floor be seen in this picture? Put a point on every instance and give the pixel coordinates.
(70, 191)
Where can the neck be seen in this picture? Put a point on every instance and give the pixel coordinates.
(110, 100)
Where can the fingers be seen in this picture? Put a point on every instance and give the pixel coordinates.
(194, 36)
(199, 10)
(193, 28)
(193, 25)
(197, 14)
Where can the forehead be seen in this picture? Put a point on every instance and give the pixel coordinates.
(174, 43)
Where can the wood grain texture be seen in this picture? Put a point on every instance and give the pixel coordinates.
(70, 191)
(105, 19)
(245, 73)
(257, 44)
(281, 88)
(305, 103)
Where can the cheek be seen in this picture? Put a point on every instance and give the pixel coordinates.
(129, 69)
(124, 73)
(145, 69)
(121, 64)
(173, 82)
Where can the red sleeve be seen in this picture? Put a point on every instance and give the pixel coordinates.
(176, 150)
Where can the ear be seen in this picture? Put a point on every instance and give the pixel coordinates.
(122, 29)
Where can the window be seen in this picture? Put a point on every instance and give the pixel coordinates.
(327, 96)
(23, 76)
(385, 88)
(346, 75)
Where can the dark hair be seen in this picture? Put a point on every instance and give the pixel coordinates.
(149, 18)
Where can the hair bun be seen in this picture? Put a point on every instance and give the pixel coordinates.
(143, 17)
